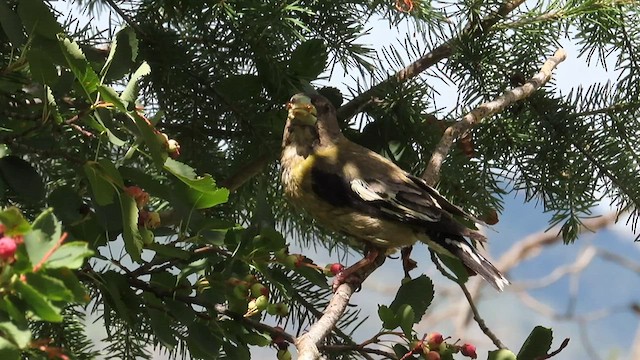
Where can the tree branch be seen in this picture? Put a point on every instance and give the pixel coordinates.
(307, 344)
(443, 51)
(432, 172)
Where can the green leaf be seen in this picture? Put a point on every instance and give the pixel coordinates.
(154, 141)
(537, 344)
(309, 59)
(16, 314)
(455, 265)
(71, 282)
(38, 19)
(418, 293)
(53, 289)
(116, 289)
(13, 221)
(110, 95)
(22, 178)
(103, 190)
(96, 121)
(11, 25)
(37, 302)
(202, 342)
(123, 53)
(161, 326)
(41, 66)
(8, 351)
(407, 317)
(70, 255)
(502, 354)
(257, 339)
(388, 317)
(169, 251)
(43, 237)
(202, 191)
(79, 65)
(130, 93)
(19, 335)
(66, 204)
(130, 233)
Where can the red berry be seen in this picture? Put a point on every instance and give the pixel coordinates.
(336, 268)
(468, 350)
(433, 355)
(435, 338)
(7, 248)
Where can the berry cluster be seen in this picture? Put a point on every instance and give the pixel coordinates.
(433, 347)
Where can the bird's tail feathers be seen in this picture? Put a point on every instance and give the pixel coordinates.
(473, 260)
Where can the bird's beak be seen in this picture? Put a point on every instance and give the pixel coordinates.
(301, 110)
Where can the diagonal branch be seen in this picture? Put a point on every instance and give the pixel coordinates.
(307, 344)
(432, 172)
(443, 51)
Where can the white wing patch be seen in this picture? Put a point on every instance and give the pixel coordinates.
(396, 208)
(363, 190)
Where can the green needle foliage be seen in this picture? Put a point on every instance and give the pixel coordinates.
(152, 147)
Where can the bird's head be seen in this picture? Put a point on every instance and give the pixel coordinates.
(314, 110)
(301, 110)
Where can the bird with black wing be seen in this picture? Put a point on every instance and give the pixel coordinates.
(353, 190)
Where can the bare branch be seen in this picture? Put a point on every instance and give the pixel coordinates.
(308, 343)
(476, 316)
(432, 172)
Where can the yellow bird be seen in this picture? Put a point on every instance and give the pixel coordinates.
(353, 190)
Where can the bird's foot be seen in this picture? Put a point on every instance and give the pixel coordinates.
(356, 273)
(408, 264)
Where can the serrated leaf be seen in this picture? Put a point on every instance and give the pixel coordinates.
(130, 93)
(122, 54)
(70, 255)
(38, 19)
(537, 344)
(202, 191)
(22, 178)
(418, 293)
(130, 233)
(37, 302)
(43, 237)
(17, 315)
(95, 120)
(13, 221)
(79, 65)
(502, 354)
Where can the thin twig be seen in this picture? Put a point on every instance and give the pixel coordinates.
(476, 316)
(460, 128)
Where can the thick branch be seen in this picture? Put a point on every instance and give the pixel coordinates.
(308, 343)
(432, 173)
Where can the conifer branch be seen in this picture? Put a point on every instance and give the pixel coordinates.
(454, 132)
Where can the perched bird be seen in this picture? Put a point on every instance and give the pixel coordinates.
(353, 190)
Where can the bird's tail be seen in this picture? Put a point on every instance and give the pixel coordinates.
(470, 257)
